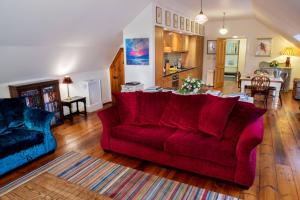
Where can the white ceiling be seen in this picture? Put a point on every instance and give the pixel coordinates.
(40, 38)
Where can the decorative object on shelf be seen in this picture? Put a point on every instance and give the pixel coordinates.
(137, 51)
(211, 46)
(168, 18)
(274, 63)
(263, 47)
(181, 23)
(193, 27)
(67, 80)
(191, 86)
(158, 15)
(201, 18)
(223, 30)
(288, 51)
(175, 20)
(187, 25)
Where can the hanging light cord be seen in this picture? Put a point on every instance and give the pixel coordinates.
(224, 19)
(201, 12)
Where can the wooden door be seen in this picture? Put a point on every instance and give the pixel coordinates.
(117, 72)
(220, 63)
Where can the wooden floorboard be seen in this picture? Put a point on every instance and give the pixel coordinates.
(278, 157)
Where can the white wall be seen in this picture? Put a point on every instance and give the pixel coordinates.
(102, 74)
(142, 27)
(249, 28)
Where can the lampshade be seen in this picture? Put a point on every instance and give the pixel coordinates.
(201, 18)
(67, 80)
(288, 51)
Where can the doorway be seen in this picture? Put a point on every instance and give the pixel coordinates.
(235, 57)
(117, 72)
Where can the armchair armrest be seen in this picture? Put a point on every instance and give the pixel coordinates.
(109, 118)
(249, 139)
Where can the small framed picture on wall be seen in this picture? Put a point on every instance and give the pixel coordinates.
(193, 27)
(175, 21)
(181, 23)
(168, 18)
(211, 46)
(196, 28)
(158, 15)
(263, 47)
(187, 25)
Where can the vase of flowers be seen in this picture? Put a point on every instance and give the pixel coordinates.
(191, 86)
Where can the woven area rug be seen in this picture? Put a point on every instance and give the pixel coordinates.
(116, 181)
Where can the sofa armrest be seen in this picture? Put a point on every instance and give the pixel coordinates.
(251, 136)
(40, 120)
(109, 118)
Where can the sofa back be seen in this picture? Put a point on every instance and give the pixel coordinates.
(11, 112)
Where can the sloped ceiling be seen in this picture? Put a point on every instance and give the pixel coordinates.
(281, 15)
(57, 37)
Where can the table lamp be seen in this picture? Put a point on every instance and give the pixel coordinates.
(67, 80)
(288, 51)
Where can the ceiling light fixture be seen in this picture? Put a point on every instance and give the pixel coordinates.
(297, 37)
(201, 18)
(223, 30)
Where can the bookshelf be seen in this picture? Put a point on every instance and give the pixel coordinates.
(43, 95)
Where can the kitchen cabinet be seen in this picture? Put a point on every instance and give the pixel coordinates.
(167, 82)
(159, 55)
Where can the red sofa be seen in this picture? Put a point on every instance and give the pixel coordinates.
(208, 135)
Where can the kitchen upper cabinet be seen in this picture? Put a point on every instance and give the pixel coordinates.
(185, 43)
(194, 57)
(159, 55)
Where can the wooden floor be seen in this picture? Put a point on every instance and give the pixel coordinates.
(278, 157)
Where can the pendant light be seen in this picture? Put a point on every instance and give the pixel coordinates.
(223, 30)
(201, 18)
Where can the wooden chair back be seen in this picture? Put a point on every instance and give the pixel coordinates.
(260, 83)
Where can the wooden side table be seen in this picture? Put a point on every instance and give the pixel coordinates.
(68, 103)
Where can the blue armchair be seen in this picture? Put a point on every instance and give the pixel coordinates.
(25, 134)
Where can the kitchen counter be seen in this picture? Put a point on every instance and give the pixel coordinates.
(178, 71)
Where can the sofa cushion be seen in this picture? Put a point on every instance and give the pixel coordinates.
(12, 110)
(15, 140)
(201, 146)
(241, 116)
(151, 107)
(127, 106)
(183, 111)
(152, 136)
(214, 115)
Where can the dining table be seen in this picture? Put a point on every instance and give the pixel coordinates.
(274, 82)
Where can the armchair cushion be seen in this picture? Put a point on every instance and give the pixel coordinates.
(3, 124)
(12, 110)
(15, 140)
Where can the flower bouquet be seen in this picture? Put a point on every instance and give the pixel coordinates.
(191, 86)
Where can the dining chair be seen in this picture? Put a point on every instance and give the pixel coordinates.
(284, 76)
(238, 76)
(260, 86)
(260, 72)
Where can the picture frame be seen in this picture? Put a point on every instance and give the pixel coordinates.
(187, 25)
(175, 20)
(263, 47)
(196, 28)
(192, 26)
(181, 23)
(211, 46)
(167, 18)
(158, 15)
(137, 51)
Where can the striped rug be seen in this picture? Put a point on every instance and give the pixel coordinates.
(117, 181)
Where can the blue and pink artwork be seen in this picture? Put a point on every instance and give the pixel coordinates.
(137, 51)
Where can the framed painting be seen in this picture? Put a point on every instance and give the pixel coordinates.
(211, 46)
(158, 15)
(187, 25)
(175, 20)
(137, 51)
(168, 18)
(263, 47)
(193, 27)
(181, 23)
